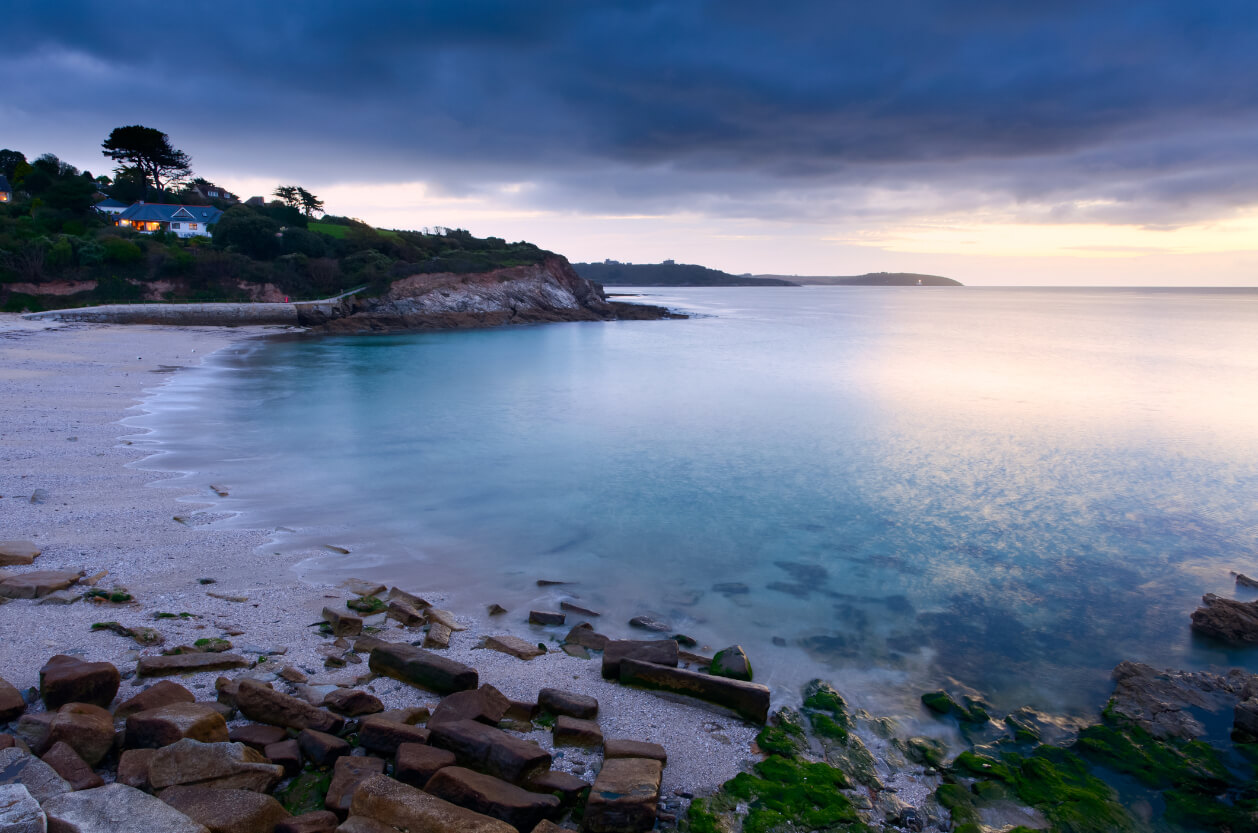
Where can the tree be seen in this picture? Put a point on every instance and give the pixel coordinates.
(294, 196)
(287, 194)
(149, 150)
(248, 232)
(9, 160)
(309, 202)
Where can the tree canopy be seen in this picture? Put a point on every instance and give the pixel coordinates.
(297, 197)
(148, 149)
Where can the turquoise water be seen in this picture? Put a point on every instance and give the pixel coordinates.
(892, 487)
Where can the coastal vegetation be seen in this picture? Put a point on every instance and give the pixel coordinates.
(669, 273)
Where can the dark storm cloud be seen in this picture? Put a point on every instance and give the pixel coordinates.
(634, 105)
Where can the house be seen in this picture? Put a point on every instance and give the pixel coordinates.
(210, 191)
(6, 190)
(109, 205)
(182, 220)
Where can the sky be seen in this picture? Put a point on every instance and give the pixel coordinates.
(999, 143)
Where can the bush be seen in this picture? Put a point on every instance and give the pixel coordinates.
(121, 251)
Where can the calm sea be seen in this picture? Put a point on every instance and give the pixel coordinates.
(894, 488)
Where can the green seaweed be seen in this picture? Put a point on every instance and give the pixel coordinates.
(212, 645)
(306, 792)
(826, 711)
(786, 792)
(1023, 730)
(111, 596)
(366, 604)
(1156, 763)
(926, 751)
(941, 703)
(958, 801)
(777, 740)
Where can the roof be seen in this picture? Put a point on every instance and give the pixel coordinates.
(162, 213)
(4, 183)
(110, 202)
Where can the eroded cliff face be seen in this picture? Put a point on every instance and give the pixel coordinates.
(548, 291)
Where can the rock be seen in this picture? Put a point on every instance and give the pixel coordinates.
(558, 701)
(522, 710)
(496, 609)
(163, 726)
(39, 496)
(491, 796)
(343, 624)
(486, 704)
(320, 821)
(417, 762)
(575, 651)
(569, 731)
(190, 763)
(256, 736)
(70, 766)
(656, 651)
(59, 597)
(65, 679)
(749, 700)
(391, 802)
(114, 808)
(320, 748)
(397, 595)
(625, 796)
(384, 736)
(568, 786)
(352, 702)
(88, 729)
(547, 582)
(19, 811)
(164, 693)
(362, 824)
(265, 705)
(188, 663)
(400, 611)
(7, 741)
(576, 608)
(293, 674)
(514, 645)
(39, 779)
(1227, 619)
(423, 668)
(133, 767)
(546, 826)
(347, 774)
(411, 715)
(444, 617)
(1245, 716)
(363, 587)
(11, 703)
(284, 753)
(733, 663)
(227, 810)
(1162, 702)
(490, 750)
(438, 636)
(648, 624)
(618, 748)
(17, 553)
(546, 617)
(37, 584)
(585, 636)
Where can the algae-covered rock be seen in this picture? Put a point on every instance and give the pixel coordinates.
(941, 703)
(731, 662)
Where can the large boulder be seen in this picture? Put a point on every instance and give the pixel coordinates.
(319, 821)
(38, 584)
(164, 725)
(1227, 619)
(384, 800)
(656, 651)
(625, 796)
(66, 679)
(620, 748)
(188, 663)
(259, 702)
(347, 774)
(133, 767)
(227, 811)
(749, 700)
(19, 811)
(492, 796)
(192, 763)
(352, 702)
(486, 704)
(558, 701)
(490, 750)
(88, 729)
(383, 737)
(70, 766)
(416, 763)
(11, 703)
(1167, 703)
(1245, 717)
(114, 808)
(39, 779)
(164, 693)
(569, 731)
(17, 553)
(514, 645)
(732, 662)
(322, 749)
(423, 668)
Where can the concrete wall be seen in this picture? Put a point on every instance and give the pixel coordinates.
(212, 315)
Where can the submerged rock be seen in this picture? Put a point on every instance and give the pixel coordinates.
(1227, 619)
(732, 662)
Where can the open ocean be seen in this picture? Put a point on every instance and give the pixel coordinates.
(891, 488)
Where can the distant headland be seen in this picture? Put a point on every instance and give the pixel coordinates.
(670, 273)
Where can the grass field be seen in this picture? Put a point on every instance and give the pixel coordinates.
(339, 231)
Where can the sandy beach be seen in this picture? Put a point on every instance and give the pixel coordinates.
(72, 480)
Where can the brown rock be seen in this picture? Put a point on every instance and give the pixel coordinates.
(625, 796)
(11, 703)
(7, 741)
(257, 736)
(416, 763)
(39, 779)
(227, 810)
(584, 636)
(363, 587)
(293, 674)
(115, 807)
(749, 700)
(391, 802)
(400, 611)
(546, 617)
(65, 679)
(343, 624)
(547, 826)
(443, 617)
(362, 824)
(188, 663)
(572, 607)
(423, 668)
(1227, 620)
(396, 595)
(657, 651)
(732, 662)
(384, 736)
(493, 797)
(164, 725)
(71, 767)
(569, 731)
(133, 768)
(88, 729)
(285, 753)
(164, 693)
(486, 704)
(522, 710)
(265, 705)
(411, 716)
(617, 748)
(220, 765)
(37, 584)
(347, 774)
(320, 748)
(1245, 716)
(32, 729)
(558, 701)
(564, 786)
(515, 646)
(352, 702)
(17, 553)
(321, 821)
(490, 750)
(437, 636)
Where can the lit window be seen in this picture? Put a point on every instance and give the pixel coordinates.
(192, 226)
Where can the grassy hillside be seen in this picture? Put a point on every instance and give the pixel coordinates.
(611, 273)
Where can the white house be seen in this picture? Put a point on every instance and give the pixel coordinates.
(182, 220)
(109, 205)
(6, 190)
